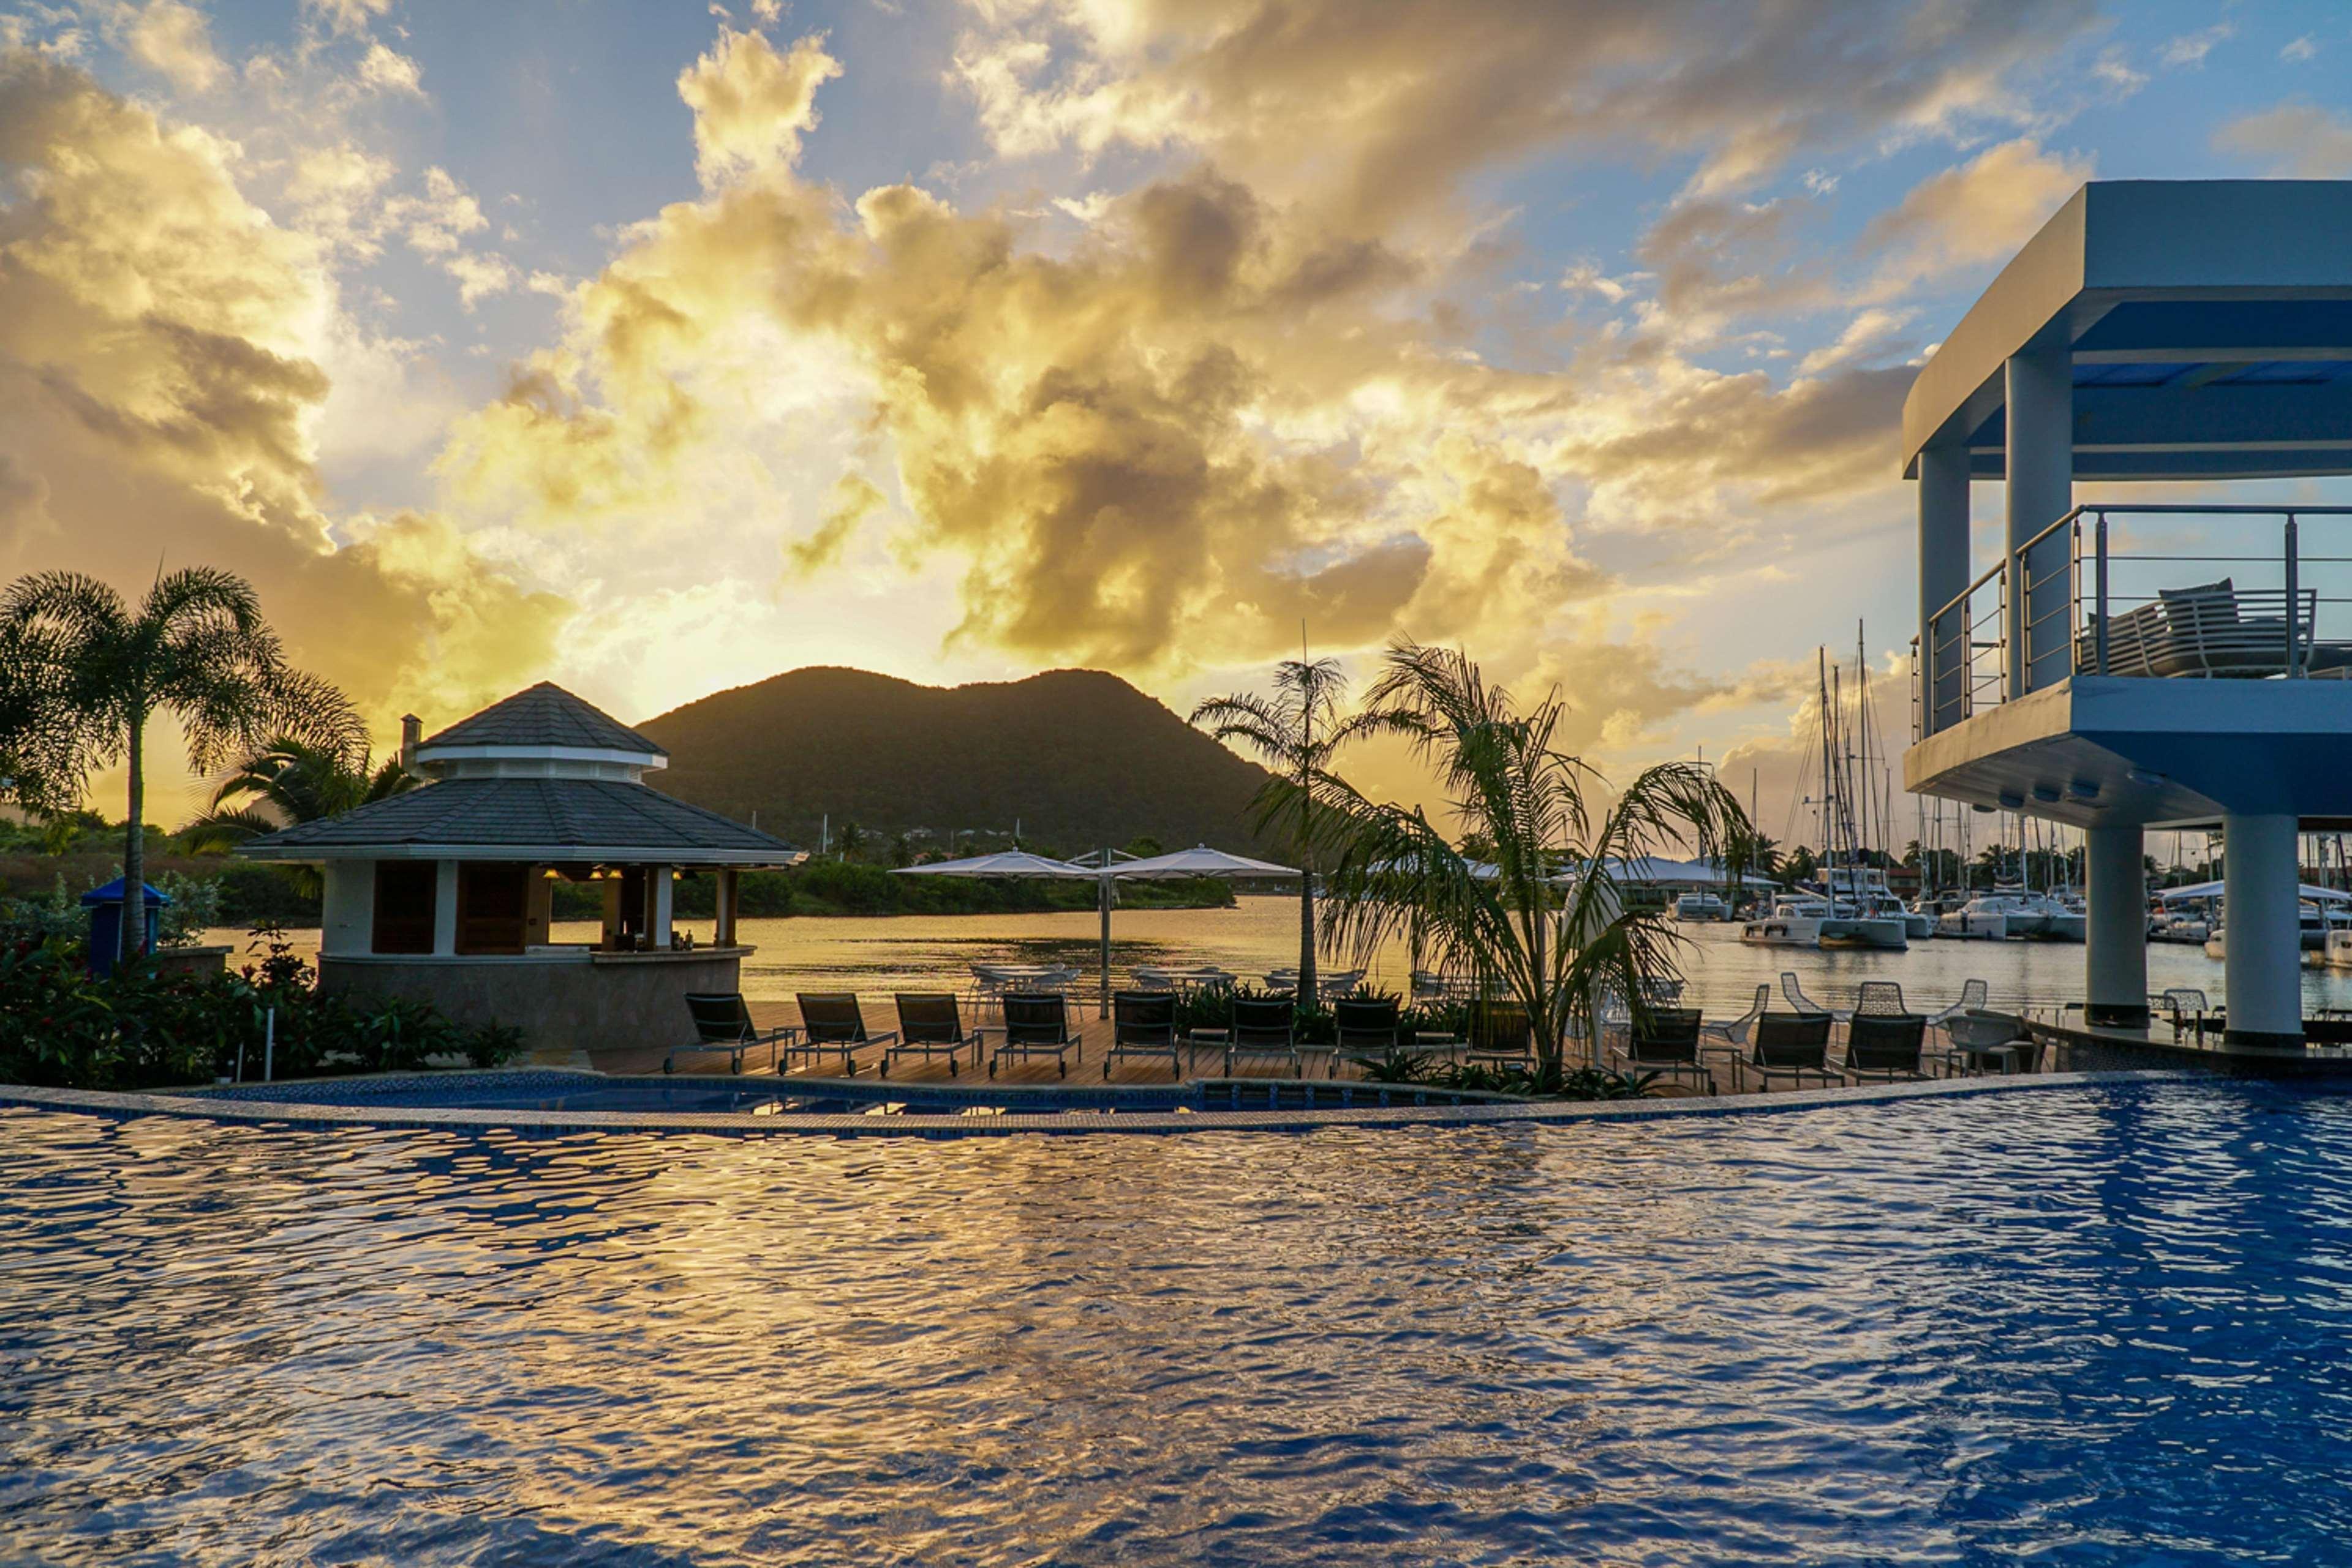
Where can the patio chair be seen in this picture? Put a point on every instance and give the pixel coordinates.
(1500, 1035)
(1796, 995)
(2185, 1002)
(1735, 1033)
(1368, 1031)
(831, 1022)
(1792, 1046)
(1885, 1045)
(1339, 983)
(1974, 994)
(1143, 1024)
(1146, 978)
(1036, 1024)
(1665, 1040)
(723, 1023)
(930, 1024)
(1262, 1026)
(1979, 1037)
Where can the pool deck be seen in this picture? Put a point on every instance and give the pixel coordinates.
(2161, 1044)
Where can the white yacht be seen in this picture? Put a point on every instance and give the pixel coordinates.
(1868, 908)
(1700, 908)
(2070, 918)
(1795, 920)
(1996, 916)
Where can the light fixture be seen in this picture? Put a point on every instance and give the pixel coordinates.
(1986, 809)
(2011, 801)
(2046, 793)
(2083, 789)
(2147, 780)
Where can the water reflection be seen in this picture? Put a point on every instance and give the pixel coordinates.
(2100, 1326)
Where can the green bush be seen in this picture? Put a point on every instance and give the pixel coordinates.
(141, 1028)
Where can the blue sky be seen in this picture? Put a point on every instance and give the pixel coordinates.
(655, 349)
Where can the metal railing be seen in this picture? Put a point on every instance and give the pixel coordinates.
(2111, 589)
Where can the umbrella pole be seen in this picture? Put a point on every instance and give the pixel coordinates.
(1103, 884)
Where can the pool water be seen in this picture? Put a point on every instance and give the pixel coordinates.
(2091, 1325)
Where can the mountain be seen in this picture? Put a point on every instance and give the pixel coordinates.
(1079, 757)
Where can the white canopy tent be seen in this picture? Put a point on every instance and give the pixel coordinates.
(1004, 863)
(2197, 890)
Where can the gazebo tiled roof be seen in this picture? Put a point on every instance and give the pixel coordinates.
(544, 715)
(539, 819)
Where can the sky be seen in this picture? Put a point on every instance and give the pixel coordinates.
(655, 349)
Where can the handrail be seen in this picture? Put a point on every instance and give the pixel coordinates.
(1954, 602)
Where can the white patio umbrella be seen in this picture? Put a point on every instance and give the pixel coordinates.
(1198, 861)
(1004, 863)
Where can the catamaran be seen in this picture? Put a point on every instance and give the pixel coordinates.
(1700, 908)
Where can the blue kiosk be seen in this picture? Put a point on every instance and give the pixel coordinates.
(105, 907)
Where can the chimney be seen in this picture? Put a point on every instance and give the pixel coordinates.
(411, 731)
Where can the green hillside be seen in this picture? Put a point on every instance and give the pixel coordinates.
(1078, 757)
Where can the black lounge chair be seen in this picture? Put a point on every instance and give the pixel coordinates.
(1885, 1046)
(833, 1025)
(1792, 1045)
(1143, 1024)
(1665, 1040)
(1366, 1033)
(723, 1023)
(931, 1024)
(1500, 1035)
(1262, 1026)
(1036, 1024)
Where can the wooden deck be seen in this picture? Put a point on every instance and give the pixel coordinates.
(1085, 1064)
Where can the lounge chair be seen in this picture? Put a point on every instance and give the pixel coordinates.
(833, 1024)
(723, 1023)
(1665, 1040)
(930, 1024)
(1885, 1045)
(1368, 1031)
(1796, 995)
(1036, 1024)
(1790, 1045)
(2181, 1002)
(1262, 1026)
(1143, 1024)
(1500, 1035)
(1974, 994)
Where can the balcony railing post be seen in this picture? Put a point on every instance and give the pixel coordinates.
(2294, 606)
(2099, 606)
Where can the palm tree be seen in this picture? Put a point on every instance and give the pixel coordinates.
(1297, 731)
(292, 779)
(196, 649)
(1554, 949)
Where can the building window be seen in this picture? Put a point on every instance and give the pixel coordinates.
(404, 906)
(493, 901)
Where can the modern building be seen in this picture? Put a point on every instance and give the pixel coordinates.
(444, 894)
(2123, 662)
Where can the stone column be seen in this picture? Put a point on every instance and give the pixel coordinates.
(722, 932)
(2115, 951)
(659, 890)
(1943, 572)
(445, 908)
(2040, 460)
(2261, 931)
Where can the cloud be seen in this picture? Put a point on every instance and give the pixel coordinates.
(750, 104)
(384, 70)
(2188, 51)
(2296, 51)
(1977, 213)
(2299, 139)
(1869, 334)
(854, 499)
(170, 37)
(1380, 111)
(479, 274)
(160, 350)
(347, 17)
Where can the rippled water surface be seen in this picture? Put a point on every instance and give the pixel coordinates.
(2080, 1326)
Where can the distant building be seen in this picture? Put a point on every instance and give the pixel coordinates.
(444, 894)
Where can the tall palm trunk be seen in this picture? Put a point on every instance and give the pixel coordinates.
(134, 852)
(1307, 991)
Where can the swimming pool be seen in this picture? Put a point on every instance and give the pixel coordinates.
(2098, 1325)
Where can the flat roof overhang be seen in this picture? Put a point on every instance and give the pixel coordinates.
(533, 854)
(2120, 751)
(2208, 322)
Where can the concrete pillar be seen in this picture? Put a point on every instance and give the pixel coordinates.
(445, 908)
(2261, 931)
(1943, 572)
(347, 909)
(660, 888)
(2041, 462)
(610, 887)
(722, 929)
(2114, 988)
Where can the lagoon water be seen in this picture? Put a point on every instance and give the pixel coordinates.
(878, 956)
(2084, 1325)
